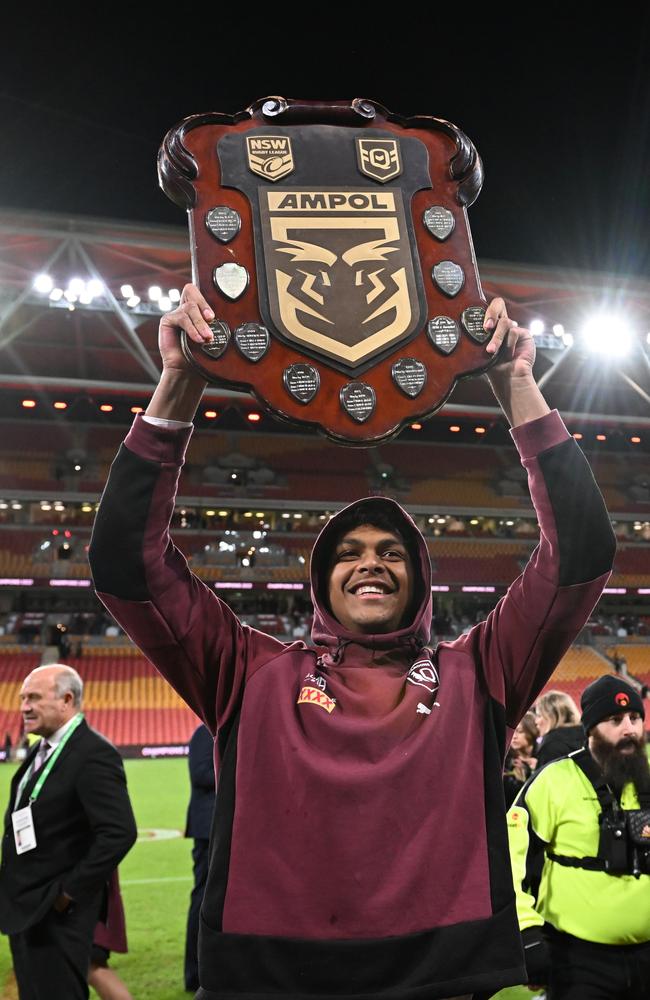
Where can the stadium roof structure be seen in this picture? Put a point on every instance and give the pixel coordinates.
(98, 338)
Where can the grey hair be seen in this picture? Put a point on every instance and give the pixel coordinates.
(66, 679)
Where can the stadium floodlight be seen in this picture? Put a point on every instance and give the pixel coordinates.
(77, 286)
(85, 298)
(606, 333)
(43, 284)
(133, 301)
(537, 327)
(164, 303)
(568, 339)
(155, 292)
(70, 295)
(56, 294)
(174, 295)
(95, 288)
(558, 329)
(127, 291)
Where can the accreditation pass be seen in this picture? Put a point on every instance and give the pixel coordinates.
(24, 833)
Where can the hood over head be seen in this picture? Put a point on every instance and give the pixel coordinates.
(326, 630)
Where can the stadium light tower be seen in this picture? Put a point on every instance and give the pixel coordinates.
(607, 334)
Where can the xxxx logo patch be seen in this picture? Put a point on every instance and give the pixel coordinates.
(314, 696)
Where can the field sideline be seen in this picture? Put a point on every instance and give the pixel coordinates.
(156, 880)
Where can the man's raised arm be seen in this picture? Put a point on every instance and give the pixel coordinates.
(192, 638)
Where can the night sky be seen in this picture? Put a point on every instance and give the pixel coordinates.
(560, 114)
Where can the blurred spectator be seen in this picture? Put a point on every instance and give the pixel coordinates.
(199, 821)
(520, 761)
(558, 722)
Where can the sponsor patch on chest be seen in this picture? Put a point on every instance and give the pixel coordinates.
(315, 696)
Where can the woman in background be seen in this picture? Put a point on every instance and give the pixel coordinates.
(520, 761)
(558, 722)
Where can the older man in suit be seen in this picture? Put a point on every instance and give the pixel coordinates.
(68, 824)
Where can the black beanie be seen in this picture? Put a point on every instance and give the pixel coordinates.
(607, 696)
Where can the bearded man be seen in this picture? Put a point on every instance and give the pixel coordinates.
(586, 924)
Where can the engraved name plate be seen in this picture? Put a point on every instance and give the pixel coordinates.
(449, 277)
(220, 339)
(439, 221)
(252, 340)
(358, 400)
(301, 381)
(443, 333)
(409, 375)
(223, 222)
(472, 319)
(231, 279)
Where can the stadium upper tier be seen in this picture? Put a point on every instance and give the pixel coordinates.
(40, 457)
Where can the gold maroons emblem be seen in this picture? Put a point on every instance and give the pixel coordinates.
(270, 156)
(379, 158)
(339, 270)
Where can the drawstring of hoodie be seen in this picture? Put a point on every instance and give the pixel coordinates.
(334, 656)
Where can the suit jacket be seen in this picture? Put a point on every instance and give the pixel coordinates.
(202, 799)
(84, 826)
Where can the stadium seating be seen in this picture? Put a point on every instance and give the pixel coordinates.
(127, 700)
(124, 697)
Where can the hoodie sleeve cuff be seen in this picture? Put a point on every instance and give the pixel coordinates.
(539, 435)
(158, 444)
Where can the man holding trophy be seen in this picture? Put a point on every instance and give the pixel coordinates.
(359, 846)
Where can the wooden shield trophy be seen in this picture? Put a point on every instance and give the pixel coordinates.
(332, 241)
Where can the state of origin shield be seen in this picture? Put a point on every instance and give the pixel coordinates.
(332, 242)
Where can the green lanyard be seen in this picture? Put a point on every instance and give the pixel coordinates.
(49, 764)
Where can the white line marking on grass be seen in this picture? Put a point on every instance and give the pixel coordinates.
(147, 834)
(153, 881)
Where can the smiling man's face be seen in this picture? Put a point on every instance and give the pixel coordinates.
(371, 580)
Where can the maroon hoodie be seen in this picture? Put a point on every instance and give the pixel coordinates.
(359, 847)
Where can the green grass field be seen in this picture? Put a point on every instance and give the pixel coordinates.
(156, 881)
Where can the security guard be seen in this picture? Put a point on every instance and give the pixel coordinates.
(584, 823)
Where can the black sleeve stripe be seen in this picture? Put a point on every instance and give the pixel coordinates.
(116, 545)
(586, 539)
